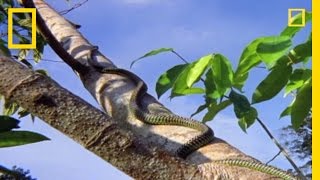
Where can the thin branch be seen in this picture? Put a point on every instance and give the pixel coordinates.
(273, 158)
(282, 149)
(48, 60)
(184, 60)
(74, 7)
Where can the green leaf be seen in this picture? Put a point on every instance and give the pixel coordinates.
(302, 52)
(286, 112)
(25, 62)
(273, 83)
(222, 73)
(239, 80)
(251, 116)
(188, 91)
(4, 51)
(180, 86)
(23, 53)
(270, 49)
(25, 22)
(197, 69)
(248, 60)
(8, 123)
(167, 79)
(42, 71)
(10, 108)
(152, 53)
(37, 53)
(240, 103)
(200, 109)
(248, 119)
(302, 105)
(16, 138)
(23, 113)
(297, 79)
(243, 125)
(214, 108)
(291, 31)
(211, 91)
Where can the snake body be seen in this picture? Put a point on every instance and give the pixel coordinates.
(206, 136)
(195, 143)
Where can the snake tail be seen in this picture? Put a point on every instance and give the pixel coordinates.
(258, 167)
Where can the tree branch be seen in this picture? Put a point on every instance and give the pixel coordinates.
(88, 126)
(113, 93)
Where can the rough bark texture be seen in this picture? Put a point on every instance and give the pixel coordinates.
(140, 150)
(88, 126)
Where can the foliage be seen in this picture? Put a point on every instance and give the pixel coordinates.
(21, 34)
(10, 137)
(300, 143)
(222, 85)
(14, 174)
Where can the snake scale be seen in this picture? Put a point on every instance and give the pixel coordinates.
(206, 136)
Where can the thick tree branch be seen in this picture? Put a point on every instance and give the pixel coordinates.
(88, 126)
(113, 92)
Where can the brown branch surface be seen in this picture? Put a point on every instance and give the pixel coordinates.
(146, 146)
(88, 126)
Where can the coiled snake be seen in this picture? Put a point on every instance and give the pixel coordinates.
(204, 138)
(195, 143)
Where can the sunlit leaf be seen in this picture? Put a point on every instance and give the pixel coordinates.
(10, 108)
(222, 73)
(167, 79)
(197, 69)
(248, 60)
(291, 31)
(270, 49)
(211, 91)
(243, 125)
(297, 79)
(25, 22)
(302, 52)
(180, 86)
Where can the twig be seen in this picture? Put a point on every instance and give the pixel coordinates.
(74, 7)
(184, 60)
(274, 157)
(282, 149)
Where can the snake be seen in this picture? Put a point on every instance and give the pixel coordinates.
(206, 133)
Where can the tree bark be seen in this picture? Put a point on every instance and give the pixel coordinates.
(142, 151)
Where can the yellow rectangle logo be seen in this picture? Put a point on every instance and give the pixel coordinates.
(32, 11)
(291, 19)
